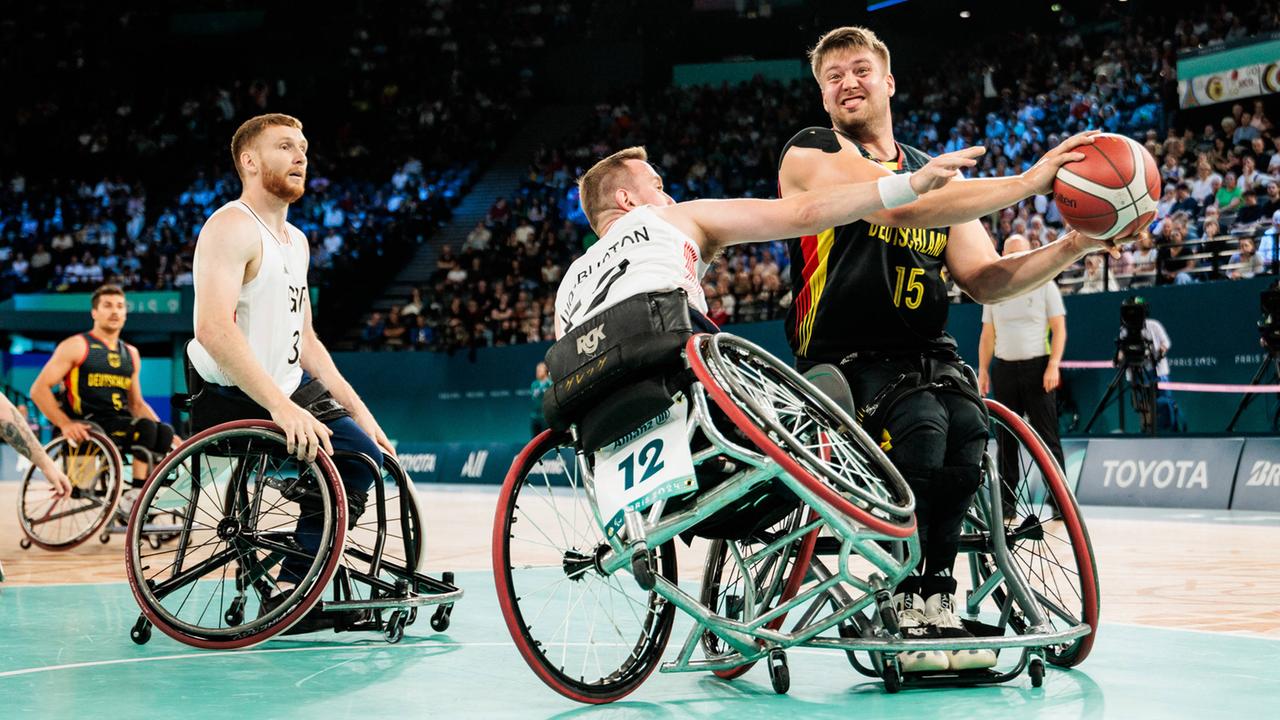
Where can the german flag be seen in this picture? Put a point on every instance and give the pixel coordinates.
(815, 249)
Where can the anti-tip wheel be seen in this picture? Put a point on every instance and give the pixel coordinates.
(394, 631)
(1036, 670)
(140, 634)
(105, 537)
(892, 679)
(440, 618)
(25, 543)
(779, 674)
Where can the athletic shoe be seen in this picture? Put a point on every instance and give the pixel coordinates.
(939, 612)
(914, 626)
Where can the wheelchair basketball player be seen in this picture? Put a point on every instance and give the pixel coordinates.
(871, 299)
(255, 354)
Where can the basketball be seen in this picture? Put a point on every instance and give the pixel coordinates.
(1112, 191)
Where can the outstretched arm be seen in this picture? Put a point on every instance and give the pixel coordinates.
(14, 431)
(717, 223)
(988, 278)
(806, 168)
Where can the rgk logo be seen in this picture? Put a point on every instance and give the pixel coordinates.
(587, 344)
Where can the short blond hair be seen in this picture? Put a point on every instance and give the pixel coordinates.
(850, 37)
(596, 186)
(250, 129)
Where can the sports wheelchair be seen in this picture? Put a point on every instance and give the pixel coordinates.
(99, 473)
(238, 495)
(808, 522)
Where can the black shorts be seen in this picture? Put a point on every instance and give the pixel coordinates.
(132, 434)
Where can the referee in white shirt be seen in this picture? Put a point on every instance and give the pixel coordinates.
(1027, 335)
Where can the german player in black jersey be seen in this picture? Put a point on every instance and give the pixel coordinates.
(870, 297)
(99, 373)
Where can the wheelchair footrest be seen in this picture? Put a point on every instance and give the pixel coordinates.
(958, 677)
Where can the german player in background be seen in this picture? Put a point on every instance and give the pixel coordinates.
(101, 376)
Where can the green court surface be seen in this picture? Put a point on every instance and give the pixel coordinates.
(65, 652)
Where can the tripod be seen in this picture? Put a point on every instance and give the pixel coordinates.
(1142, 384)
(1270, 362)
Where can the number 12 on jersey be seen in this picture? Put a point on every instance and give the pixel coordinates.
(649, 463)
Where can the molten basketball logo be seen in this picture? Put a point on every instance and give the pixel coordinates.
(1112, 192)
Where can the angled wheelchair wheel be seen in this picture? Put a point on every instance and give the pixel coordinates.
(251, 518)
(1047, 538)
(590, 637)
(95, 470)
(733, 566)
(798, 426)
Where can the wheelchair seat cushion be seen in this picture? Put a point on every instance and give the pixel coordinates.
(616, 370)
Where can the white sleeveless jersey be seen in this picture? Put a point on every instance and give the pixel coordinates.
(641, 253)
(269, 310)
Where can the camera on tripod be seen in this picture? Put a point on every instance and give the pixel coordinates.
(1134, 347)
(1269, 325)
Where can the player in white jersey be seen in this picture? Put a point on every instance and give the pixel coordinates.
(650, 243)
(255, 351)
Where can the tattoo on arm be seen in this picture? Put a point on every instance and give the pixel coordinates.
(14, 430)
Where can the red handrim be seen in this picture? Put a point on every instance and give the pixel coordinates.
(1080, 545)
(781, 456)
(117, 463)
(502, 576)
(320, 584)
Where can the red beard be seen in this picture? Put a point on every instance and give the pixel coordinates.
(278, 184)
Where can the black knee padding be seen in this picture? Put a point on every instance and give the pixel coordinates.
(144, 433)
(164, 439)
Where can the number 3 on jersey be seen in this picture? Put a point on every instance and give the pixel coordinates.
(913, 286)
(293, 359)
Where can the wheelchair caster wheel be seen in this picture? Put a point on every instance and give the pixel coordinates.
(141, 631)
(25, 543)
(779, 674)
(892, 680)
(440, 618)
(394, 631)
(104, 538)
(154, 541)
(641, 570)
(1036, 671)
(235, 614)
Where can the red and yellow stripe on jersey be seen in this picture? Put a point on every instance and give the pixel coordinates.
(816, 250)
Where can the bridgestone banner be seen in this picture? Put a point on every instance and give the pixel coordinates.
(1146, 472)
(1258, 480)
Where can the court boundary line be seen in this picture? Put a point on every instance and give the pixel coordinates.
(428, 645)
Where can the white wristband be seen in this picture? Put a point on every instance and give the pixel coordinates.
(895, 190)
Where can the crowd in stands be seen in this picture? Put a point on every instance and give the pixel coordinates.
(391, 150)
(499, 288)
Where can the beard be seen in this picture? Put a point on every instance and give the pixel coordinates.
(278, 184)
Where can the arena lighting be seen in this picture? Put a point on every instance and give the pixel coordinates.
(1056, 7)
(964, 14)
